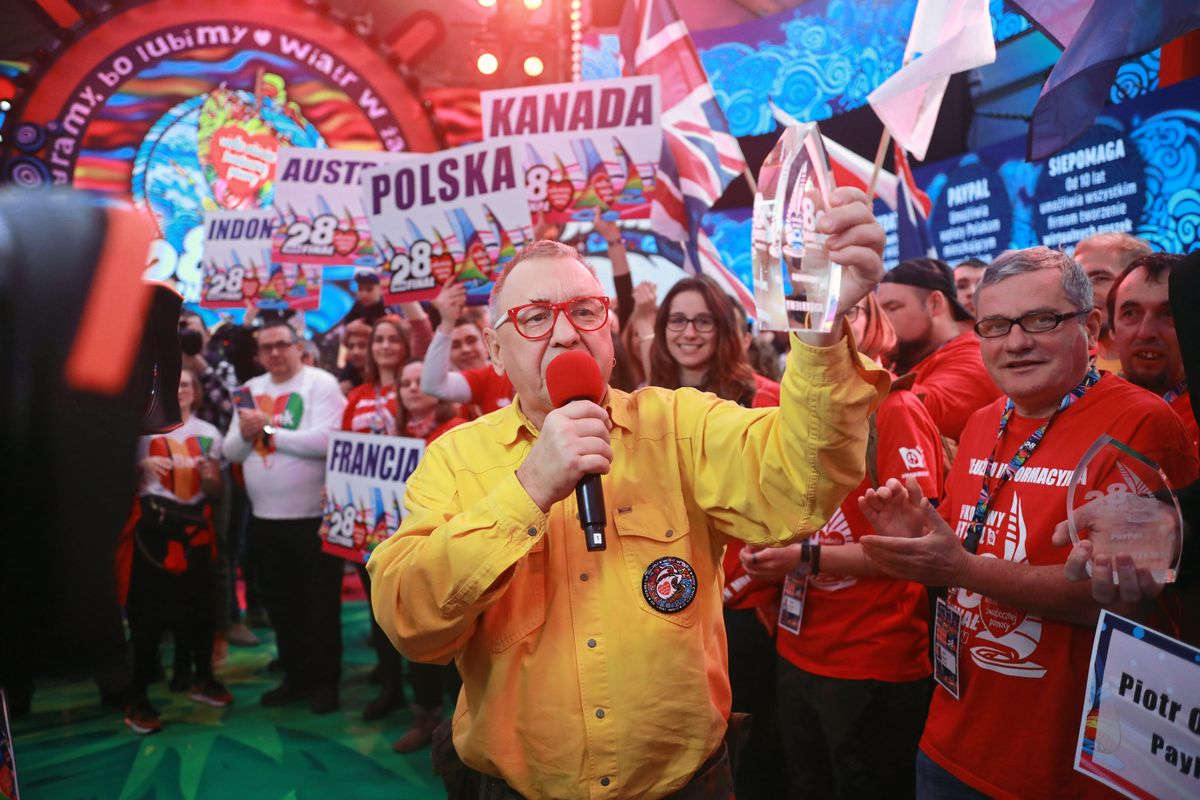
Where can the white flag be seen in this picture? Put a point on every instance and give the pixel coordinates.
(948, 36)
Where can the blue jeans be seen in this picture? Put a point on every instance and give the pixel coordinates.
(935, 783)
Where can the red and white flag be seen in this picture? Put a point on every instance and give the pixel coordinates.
(948, 36)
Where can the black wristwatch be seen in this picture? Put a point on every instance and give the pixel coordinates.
(810, 553)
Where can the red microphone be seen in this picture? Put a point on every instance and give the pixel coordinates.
(574, 375)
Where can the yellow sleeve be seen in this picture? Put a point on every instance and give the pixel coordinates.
(772, 475)
(446, 565)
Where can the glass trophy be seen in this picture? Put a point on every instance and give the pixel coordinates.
(796, 286)
(1123, 503)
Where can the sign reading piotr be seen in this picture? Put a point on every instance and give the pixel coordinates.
(457, 215)
(1140, 732)
(589, 147)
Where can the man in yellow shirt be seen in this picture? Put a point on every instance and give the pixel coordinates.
(581, 676)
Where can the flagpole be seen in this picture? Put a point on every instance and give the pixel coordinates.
(880, 153)
(750, 180)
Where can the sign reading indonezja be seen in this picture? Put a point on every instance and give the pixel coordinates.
(184, 107)
(238, 268)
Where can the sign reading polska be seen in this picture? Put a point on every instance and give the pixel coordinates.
(319, 197)
(587, 146)
(237, 267)
(456, 215)
(364, 490)
(1140, 731)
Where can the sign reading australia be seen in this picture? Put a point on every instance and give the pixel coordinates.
(1134, 171)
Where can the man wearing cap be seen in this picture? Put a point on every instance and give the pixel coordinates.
(368, 298)
(948, 375)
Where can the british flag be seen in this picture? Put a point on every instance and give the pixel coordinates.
(700, 157)
(913, 207)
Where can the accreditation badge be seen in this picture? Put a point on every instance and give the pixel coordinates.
(947, 630)
(791, 610)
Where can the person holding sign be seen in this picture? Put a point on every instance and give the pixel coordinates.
(603, 672)
(173, 548)
(1014, 635)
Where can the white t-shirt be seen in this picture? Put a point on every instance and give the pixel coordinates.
(185, 446)
(284, 481)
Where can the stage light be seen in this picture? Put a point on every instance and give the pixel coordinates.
(533, 5)
(487, 3)
(487, 63)
(533, 66)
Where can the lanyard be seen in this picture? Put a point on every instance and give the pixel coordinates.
(1173, 394)
(379, 417)
(1024, 452)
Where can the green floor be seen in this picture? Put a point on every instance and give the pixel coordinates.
(70, 747)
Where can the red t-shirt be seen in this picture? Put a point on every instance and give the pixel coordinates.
(1182, 406)
(1012, 733)
(872, 628)
(954, 384)
(370, 409)
(489, 391)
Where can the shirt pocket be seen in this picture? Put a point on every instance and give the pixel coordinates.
(522, 608)
(654, 534)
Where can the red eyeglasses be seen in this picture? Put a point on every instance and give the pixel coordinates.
(537, 320)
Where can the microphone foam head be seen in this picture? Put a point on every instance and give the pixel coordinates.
(574, 375)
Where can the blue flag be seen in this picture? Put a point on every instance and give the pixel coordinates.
(1097, 38)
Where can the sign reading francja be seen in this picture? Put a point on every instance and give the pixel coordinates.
(586, 147)
(455, 215)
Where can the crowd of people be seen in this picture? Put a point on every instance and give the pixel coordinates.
(1002, 374)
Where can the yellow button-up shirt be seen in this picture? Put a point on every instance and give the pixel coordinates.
(574, 685)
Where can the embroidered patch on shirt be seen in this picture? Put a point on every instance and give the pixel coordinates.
(669, 584)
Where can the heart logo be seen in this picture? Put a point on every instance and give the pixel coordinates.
(345, 241)
(242, 163)
(999, 620)
(604, 188)
(262, 38)
(560, 194)
(443, 267)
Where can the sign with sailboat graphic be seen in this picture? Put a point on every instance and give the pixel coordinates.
(455, 215)
(585, 146)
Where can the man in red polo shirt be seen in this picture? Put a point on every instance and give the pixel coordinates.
(1014, 635)
(1143, 330)
(919, 298)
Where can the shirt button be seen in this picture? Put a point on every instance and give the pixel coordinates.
(591, 642)
(605, 781)
(599, 713)
(583, 576)
(532, 531)
(670, 533)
